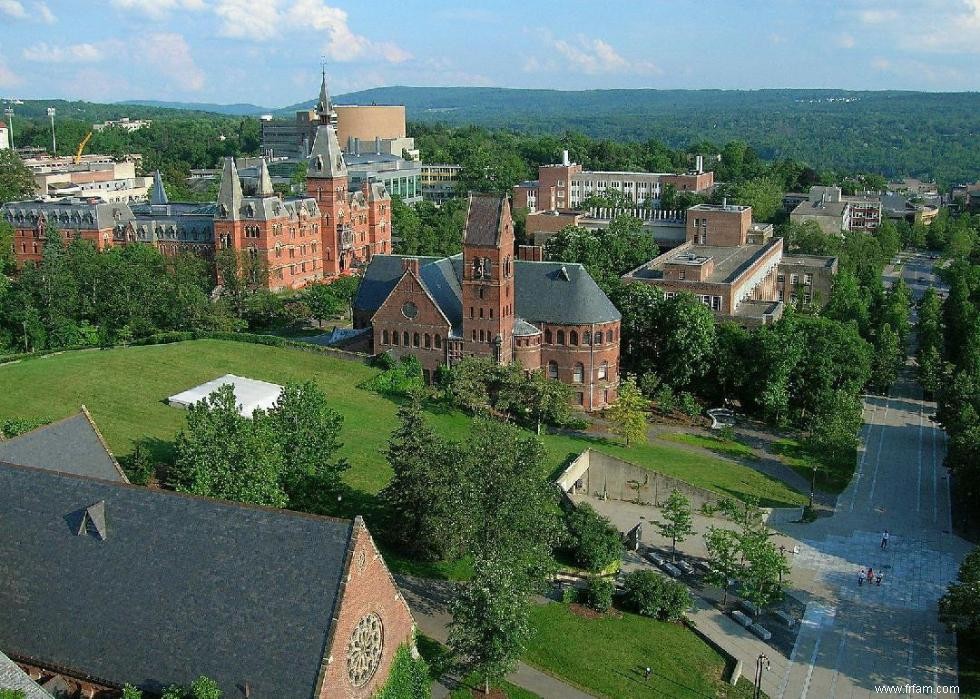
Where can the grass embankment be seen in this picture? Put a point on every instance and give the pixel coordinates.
(607, 655)
(126, 390)
(832, 476)
(719, 445)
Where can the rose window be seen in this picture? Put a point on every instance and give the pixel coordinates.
(364, 650)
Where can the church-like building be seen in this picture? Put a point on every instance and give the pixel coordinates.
(550, 316)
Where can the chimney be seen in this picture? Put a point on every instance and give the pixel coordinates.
(530, 253)
(564, 158)
(377, 145)
(699, 164)
(411, 264)
(724, 202)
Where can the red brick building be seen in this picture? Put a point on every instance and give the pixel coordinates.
(326, 233)
(107, 583)
(544, 315)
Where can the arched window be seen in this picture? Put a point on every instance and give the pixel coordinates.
(415, 340)
(394, 338)
(547, 336)
(384, 337)
(603, 370)
(428, 341)
(578, 375)
(552, 369)
(598, 337)
(609, 336)
(405, 338)
(486, 267)
(586, 338)
(477, 268)
(438, 341)
(561, 337)
(573, 338)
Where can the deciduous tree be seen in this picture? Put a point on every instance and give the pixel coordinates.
(676, 524)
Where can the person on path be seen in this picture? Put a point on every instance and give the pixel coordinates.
(646, 673)
(878, 578)
(861, 576)
(871, 576)
(884, 539)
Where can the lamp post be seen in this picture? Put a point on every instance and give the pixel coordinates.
(761, 663)
(9, 113)
(54, 143)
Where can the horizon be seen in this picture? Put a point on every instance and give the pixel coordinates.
(227, 52)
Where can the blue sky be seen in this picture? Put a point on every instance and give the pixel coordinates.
(268, 52)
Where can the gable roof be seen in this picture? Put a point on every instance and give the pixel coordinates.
(181, 586)
(483, 220)
(12, 677)
(72, 445)
(545, 292)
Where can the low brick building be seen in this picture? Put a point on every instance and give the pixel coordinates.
(106, 583)
(545, 315)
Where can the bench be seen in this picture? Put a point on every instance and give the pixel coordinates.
(786, 618)
(686, 567)
(761, 632)
(671, 570)
(741, 618)
(750, 608)
(655, 558)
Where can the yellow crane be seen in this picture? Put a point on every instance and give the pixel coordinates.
(81, 147)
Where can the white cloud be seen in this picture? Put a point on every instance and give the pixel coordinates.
(13, 8)
(74, 53)
(169, 54)
(587, 55)
(159, 8)
(44, 13)
(246, 19)
(845, 41)
(924, 26)
(7, 77)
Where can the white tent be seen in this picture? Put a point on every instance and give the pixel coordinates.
(249, 393)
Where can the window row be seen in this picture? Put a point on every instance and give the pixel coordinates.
(602, 373)
(406, 339)
(588, 338)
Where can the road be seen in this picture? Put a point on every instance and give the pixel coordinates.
(855, 638)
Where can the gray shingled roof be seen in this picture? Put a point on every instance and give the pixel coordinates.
(524, 329)
(326, 157)
(182, 586)
(72, 445)
(543, 293)
(483, 213)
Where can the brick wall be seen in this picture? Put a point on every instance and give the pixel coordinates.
(367, 588)
(563, 348)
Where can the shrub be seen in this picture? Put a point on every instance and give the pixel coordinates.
(575, 422)
(400, 380)
(650, 594)
(688, 404)
(650, 384)
(139, 465)
(384, 361)
(596, 542)
(666, 400)
(408, 677)
(599, 594)
(569, 594)
(17, 426)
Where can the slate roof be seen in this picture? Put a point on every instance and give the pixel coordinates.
(72, 445)
(158, 194)
(181, 586)
(326, 157)
(483, 214)
(524, 329)
(543, 292)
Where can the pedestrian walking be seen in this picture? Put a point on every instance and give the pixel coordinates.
(884, 539)
(646, 673)
(871, 576)
(861, 577)
(878, 578)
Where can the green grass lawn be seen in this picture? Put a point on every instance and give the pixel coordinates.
(607, 656)
(832, 477)
(725, 447)
(126, 388)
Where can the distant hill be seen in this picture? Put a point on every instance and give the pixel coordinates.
(241, 109)
(95, 112)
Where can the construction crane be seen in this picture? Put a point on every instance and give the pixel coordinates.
(81, 147)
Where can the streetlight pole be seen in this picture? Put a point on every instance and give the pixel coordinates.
(54, 143)
(761, 663)
(9, 113)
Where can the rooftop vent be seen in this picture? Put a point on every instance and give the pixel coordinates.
(563, 274)
(93, 521)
